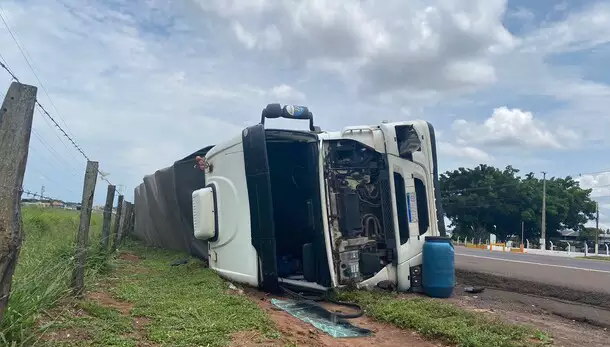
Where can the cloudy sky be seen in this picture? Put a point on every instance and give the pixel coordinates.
(139, 84)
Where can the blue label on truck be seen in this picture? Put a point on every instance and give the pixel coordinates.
(409, 208)
(412, 207)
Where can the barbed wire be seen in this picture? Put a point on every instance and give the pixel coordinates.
(56, 124)
(53, 152)
(41, 197)
(8, 70)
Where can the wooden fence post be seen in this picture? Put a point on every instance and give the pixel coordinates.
(107, 216)
(117, 223)
(129, 226)
(16, 117)
(125, 220)
(132, 224)
(82, 239)
(129, 230)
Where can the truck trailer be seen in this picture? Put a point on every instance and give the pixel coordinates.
(315, 210)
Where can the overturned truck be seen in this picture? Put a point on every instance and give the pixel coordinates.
(306, 210)
(163, 204)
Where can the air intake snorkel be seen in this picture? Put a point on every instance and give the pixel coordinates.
(289, 112)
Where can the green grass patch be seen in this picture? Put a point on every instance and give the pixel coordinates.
(444, 321)
(44, 268)
(595, 257)
(186, 305)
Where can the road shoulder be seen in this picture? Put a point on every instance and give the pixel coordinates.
(569, 323)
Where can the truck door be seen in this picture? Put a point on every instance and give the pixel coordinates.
(412, 180)
(412, 223)
(261, 206)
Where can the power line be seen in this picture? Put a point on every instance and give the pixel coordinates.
(51, 149)
(593, 173)
(23, 53)
(8, 70)
(64, 133)
(41, 197)
(58, 136)
(78, 148)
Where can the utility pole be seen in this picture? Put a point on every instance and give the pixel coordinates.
(543, 233)
(596, 227)
(522, 229)
(42, 192)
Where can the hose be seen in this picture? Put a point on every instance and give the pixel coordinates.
(314, 301)
(366, 225)
(363, 199)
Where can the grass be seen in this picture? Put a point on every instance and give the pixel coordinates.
(185, 305)
(444, 321)
(595, 257)
(44, 268)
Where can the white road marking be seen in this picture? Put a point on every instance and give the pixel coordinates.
(532, 263)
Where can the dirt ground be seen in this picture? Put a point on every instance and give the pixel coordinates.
(297, 332)
(534, 288)
(571, 324)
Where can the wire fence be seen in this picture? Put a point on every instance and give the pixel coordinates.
(62, 242)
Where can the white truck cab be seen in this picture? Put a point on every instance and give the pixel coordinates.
(320, 210)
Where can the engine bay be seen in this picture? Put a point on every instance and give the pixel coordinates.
(353, 174)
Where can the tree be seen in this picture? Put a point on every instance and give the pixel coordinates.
(481, 200)
(588, 234)
(489, 200)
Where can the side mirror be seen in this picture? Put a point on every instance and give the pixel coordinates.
(205, 214)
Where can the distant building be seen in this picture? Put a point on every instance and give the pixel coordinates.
(572, 235)
(36, 203)
(57, 204)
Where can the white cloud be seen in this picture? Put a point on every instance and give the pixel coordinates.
(579, 31)
(599, 183)
(286, 93)
(142, 84)
(137, 90)
(511, 128)
(270, 38)
(244, 36)
(463, 152)
(415, 45)
(560, 7)
(523, 14)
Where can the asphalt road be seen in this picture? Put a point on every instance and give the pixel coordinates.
(579, 274)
